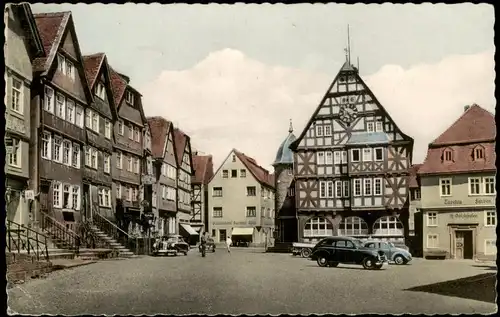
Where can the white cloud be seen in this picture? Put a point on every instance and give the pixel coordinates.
(230, 101)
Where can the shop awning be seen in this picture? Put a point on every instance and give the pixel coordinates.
(189, 229)
(242, 231)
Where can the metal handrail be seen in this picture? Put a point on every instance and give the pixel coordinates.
(113, 230)
(33, 245)
(60, 232)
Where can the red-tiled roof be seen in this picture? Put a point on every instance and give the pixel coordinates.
(180, 140)
(413, 182)
(92, 65)
(118, 85)
(50, 26)
(261, 174)
(203, 168)
(159, 128)
(474, 125)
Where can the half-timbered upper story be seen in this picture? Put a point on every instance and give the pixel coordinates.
(23, 44)
(165, 164)
(203, 172)
(64, 96)
(184, 170)
(351, 153)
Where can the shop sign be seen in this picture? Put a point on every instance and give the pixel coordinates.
(453, 202)
(464, 215)
(483, 201)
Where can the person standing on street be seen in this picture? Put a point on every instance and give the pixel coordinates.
(228, 244)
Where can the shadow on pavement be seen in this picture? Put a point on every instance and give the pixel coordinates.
(478, 287)
(343, 267)
(487, 267)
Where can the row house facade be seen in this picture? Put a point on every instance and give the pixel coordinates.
(23, 45)
(241, 201)
(203, 172)
(458, 189)
(61, 98)
(351, 166)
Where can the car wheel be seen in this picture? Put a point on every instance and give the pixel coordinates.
(368, 263)
(305, 253)
(378, 266)
(322, 261)
(399, 260)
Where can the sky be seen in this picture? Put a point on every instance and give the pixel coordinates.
(233, 76)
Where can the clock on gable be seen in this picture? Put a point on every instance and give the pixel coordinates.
(348, 110)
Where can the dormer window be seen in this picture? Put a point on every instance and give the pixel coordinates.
(478, 153)
(370, 127)
(65, 67)
(129, 97)
(100, 91)
(447, 155)
(379, 127)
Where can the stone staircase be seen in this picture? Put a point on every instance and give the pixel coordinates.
(114, 245)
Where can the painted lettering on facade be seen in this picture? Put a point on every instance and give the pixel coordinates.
(464, 215)
(483, 201)
(453, 202)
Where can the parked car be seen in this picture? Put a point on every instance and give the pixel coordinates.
(210, 246)
(395, 254)
(333, 251)
(170, 244)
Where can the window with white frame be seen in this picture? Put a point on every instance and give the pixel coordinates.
(136, 166)
(379, 154)
(489, 185)
(118, 191)
(75, 157)
(95, 122)
(66, 157)
(388, 226)
(129, 164)
(129, 97)
(338, 189)
(478, 153)
(164, 169)
(16, 103)
(61, 65)
(70, 70)
(355, 155)
(357, 187)
(322, 189)
(100, 91)
(56, 194)
(318, 227)
(445, 187)
(128, 193)
(88, 156)
(104, 197)
(217, 192)
(490, 246)
(432, 241)
(154, 199)
(344, 157)
(107, 164)
(79, 116)
(319, 130)
(15, 156)
(321, 158)
(88, 118)
(252, 211)
(70, 111)
(370, 127)
(345, 189)
(328, 130)
(329, 189)
(47, 145)
(130, 131)
(447, 155)
(337, 157)
(171, 193)
(137, 135)
(57, 149)
(353, 226)
(491, 218)
(217, 212)
(48, 104)
(474, 185)
(368, 186)
(329, 157)
(367, 155)
(75, 197)
(119, 160)
(60, 106)
(377, 186)
(432, 219)
(67, 201)
(121, 127)
(379, 126)
(107, 129)
(94, 158)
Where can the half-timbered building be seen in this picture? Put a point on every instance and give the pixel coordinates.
(184, 191)
(351, 166)
(204, 171)
(61, 99)
(100, 117)
(128, 151)
(164, 195)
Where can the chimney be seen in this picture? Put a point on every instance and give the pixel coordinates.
(466, 108)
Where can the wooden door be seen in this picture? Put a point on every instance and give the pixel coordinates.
(459, 244)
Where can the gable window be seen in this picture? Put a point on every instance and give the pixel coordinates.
(251, 191)
(321, 158)
(61, 65)
(70, 111)
(328, 130)
(491, 218)
(130, 132)
(217, 192)
(100, 91)
(251, 212)
(447, 155)
(57, 149)
(432, 219)
(489, 185)
(129, 97)
(367, 155)
(17, 95)
(355, 155)
(379, 154)
(60, 106)
(217, 212)
(16, 155)
(75, 157)
(445, 187)
(377, 186)
(234, 173)
(319, 130)
(70, 70)
(56, 194)
(48, 104)
(66, 158)
(370, 127)
(107, 164)
(474, 185)
(243, 173)
(379, 126)
(46, 145)
(338, 189)
(79, 116)
(225, 174)
(120, 127)
(119, 160)
(357, 187)
(368, 186)
(107, 129)
(137, 134)
(478, 153)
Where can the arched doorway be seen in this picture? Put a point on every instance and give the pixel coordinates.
(388, 226)
(353, 227)
(318, 227)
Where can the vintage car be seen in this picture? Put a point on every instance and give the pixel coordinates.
(210, 246)
(393, 253)
(333, 251)
(170, 244)
(302, 249)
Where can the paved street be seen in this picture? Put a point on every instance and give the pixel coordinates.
(246, 281)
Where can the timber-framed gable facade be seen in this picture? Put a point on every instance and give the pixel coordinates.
(203, 172)
(351, 166)
(184, 172)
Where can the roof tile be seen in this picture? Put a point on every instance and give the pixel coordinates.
(92, 65)
(261, 174)
(203, 168)
(49, 26)
(118, 84)
(413, 183)
(180, 140)
(159, 128)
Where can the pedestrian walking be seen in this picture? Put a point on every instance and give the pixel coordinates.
(228, 244)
